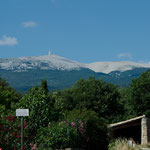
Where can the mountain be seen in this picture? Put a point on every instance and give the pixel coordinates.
(25, 72)
(46, 62)
(54, 62)
(110, 66)
(125, 78)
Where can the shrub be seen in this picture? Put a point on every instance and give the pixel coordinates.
(10, 133)
(78, 129)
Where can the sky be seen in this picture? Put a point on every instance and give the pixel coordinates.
(81, 30)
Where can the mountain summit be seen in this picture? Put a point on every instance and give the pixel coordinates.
(54, 62)
(45, 62)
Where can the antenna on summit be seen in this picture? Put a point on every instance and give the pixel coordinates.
(49, 52)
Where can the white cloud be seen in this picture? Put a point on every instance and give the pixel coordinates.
(9, 41)
(124, 55)
(29, 24)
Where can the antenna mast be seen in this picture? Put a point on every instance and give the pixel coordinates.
(49, 53)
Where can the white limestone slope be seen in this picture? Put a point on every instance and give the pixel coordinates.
(56, 62)
(42, 62)
(109, 66)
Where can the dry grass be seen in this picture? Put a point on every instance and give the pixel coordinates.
(121, 144)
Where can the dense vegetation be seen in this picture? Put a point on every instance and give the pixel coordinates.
(56, 79)
(61, 79)
(74, 117)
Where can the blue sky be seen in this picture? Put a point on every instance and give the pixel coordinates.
(81, 30)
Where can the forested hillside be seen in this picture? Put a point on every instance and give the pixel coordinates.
(61, 79)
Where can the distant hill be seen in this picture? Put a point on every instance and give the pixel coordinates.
(57, 79)
(25, 72)
(125, 78)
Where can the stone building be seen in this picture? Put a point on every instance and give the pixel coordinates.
(137, 129)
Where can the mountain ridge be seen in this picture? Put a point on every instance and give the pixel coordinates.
(46, 62)
(25, 72)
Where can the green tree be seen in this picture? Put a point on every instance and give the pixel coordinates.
(44, 85)
(124, 97)
(94, 94)
(139, 96)
(41, 109)
(8, 97)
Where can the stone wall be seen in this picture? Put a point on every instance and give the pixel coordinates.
(145, 130)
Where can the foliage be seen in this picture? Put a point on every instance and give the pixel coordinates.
(58, 135)
(8, 97)
(61, 79)
(10, 133)
(94, 94)
(139, 97)
(95, 131)
(78, 129)
(73, 117)
(44, 86)
(40, 105)
(56, 79)
(124, 100)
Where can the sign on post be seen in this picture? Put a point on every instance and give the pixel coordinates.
(22, 112)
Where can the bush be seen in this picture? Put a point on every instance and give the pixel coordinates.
(41, 110)
(10, 133)
(78, 129)
(58, 135)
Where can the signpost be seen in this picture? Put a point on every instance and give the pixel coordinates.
(22, 113)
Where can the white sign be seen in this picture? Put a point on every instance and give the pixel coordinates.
(22, 112)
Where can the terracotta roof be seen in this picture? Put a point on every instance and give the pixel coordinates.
(127, 121)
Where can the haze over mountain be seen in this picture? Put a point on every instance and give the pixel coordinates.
(25, 72)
